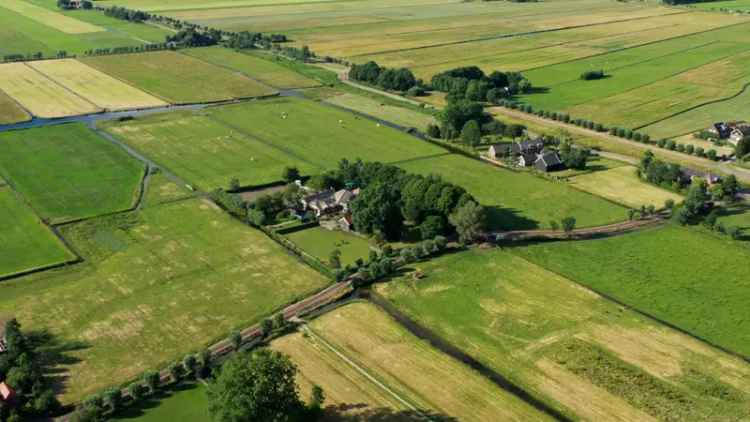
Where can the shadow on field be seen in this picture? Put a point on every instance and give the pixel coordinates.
(55, 355)
(337, 414)
(500, 218)
(154, 400)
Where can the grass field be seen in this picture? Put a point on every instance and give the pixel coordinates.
(39, 94)
(161, 190)
(519, 200)
(66, 172)
(188, 402)
(740, 5)
(49, 18)
(401, 116)
(320, 242)
(27, 243)
(682, 276)
(178, 78)
(98, 88)
(412, 367)
(524, 322)
(166, 281)
(21, 34)
(254, 66)
(10, 111)
(623, 186)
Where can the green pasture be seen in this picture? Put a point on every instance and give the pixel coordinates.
(254, 66)
(160, 190)
(391, 113)
(27, 243)
(178, 78)
(739, 5)
(623, 186)
(22, 35)
(518, 319)
(320, 242)
(67, 172)
(680, 275)
(187, 402)
(168, 280)
(319, 136)
(519, 200)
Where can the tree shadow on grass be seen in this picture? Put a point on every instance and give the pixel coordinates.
(499, 218)
(361, 412)
(55, 356)
(154, 400)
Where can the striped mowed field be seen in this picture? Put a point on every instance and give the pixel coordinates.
(99, 88)
(50, 18)
(39, 94)
(11, 111)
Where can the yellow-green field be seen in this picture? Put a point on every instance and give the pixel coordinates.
(50, 18)
(179, 78)
(588, 356)
(165, 281)
(398, 115)
(10, 111)
(623, 186)
(256, 67)
(100, 89)
(39, 94)
(413, 369)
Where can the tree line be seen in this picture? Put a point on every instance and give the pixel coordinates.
(470, 83)
(389, 79)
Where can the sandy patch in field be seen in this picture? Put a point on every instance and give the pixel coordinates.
(585, 399)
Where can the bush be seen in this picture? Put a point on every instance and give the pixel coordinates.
(689, 149)
(671, 145)
(637, 137)
(433, 131)
(661, 143)
(680, 148)
(712, 155)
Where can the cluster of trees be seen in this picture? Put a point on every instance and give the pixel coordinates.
(249, 40)
(22, 368)
(191, 37)
(572, 157)
(273, 208)
(658, 172)
(261, 386)
(591, 75)
(389, 79)
(398, 205)
(302, 54)
(470, 83)
(130, 15)
(553, 115)
(66, 5)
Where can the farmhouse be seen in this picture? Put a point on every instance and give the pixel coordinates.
(527, 146)
(548, 161)
(498, 151)
(721, 130)
(739, 133)
(329, 201)
(527, 159)
(688, 175)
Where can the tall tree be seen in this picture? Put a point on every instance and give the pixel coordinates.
(469, 220)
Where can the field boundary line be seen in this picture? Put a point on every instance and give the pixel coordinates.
(640, 45)
(638, 311)
(426, 334)
(362, 371)
(695, 107)
(252, 78)
(510, 35)
(21, 106)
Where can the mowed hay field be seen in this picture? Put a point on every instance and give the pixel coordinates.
(561, 342)
(11, 111)
(399, 115)
(254, 143)
(98, 88)
(40, 95)
(671, 273)
(518, 200)
(254, 66)
(165, 281)
(67, 172)
(27, 243)
(623, 186)
(50, 18)
(178, 78)
(426, 377)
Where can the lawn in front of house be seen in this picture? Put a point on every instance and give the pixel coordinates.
(320, 242)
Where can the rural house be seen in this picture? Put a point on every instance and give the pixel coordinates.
(688, 175)
(329, 201)
(7, 394)
(739, 133)
(721, 130)
(527, 159)
(527, 146)
(499, 151)
(549, 161)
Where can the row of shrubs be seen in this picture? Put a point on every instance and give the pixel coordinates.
(614, 131)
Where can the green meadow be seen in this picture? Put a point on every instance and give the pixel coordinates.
(320, 242)
(685, 277)
(27, 243)
(167, 280)
(67, 172)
